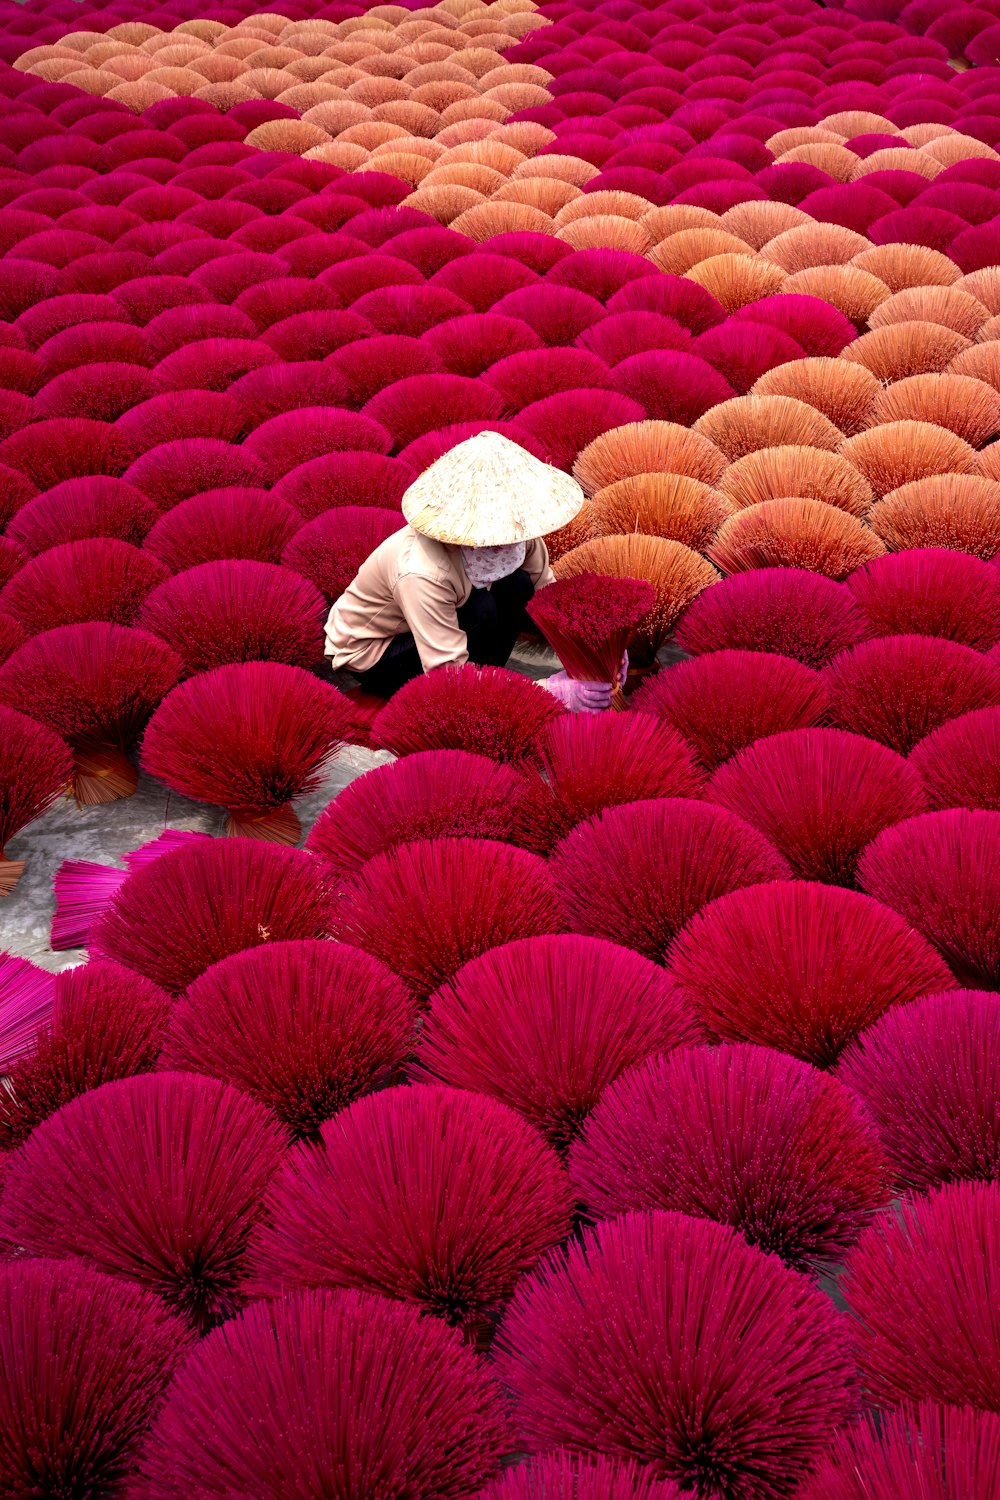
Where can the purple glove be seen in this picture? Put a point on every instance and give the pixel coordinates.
(623, 671)
(578, 697)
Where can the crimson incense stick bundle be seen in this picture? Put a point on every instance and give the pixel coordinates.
(588, 621)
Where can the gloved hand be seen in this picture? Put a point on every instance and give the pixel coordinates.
(578, 697)
(623, 671)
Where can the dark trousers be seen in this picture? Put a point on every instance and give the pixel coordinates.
(492, 619)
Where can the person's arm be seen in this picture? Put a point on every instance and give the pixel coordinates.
(428, 606)
(536, 564)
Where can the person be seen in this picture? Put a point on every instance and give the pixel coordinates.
(452, 585)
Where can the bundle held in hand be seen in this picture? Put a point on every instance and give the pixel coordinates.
(588, 621)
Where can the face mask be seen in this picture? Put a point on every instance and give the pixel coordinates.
(484, 565)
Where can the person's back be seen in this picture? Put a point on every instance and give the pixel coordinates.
(407, 574)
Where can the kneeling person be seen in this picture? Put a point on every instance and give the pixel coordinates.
(451, 586)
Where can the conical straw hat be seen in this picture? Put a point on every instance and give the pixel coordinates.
(489, 492)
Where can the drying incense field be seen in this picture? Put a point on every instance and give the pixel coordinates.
(459, 1097)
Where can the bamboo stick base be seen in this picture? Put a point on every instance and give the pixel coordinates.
(11, 871)
(277, 825)
(102, 775)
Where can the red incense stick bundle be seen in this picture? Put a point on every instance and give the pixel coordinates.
(588, 621)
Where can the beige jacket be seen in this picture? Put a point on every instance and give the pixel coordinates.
(410, 583)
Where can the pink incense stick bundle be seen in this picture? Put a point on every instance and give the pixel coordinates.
(36, 767)
(103, 1022)
(351, 1394)
(87, 1359)
(927, 1450)
(588, 621)
(27, 994)
(83, 888)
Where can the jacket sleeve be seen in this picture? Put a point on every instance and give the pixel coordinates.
(536, 564)
(428, 606)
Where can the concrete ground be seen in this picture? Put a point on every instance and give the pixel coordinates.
(104, 834)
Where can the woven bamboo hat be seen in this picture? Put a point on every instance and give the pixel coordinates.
(489, 492)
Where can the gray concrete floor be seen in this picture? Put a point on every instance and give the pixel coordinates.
(104, 834)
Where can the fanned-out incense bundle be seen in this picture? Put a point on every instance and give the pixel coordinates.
(588, 621)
